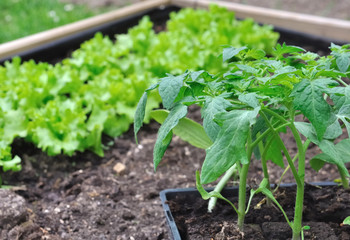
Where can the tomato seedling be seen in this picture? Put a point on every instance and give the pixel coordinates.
(246, 110)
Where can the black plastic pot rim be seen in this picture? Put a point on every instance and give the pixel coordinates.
(173, 229)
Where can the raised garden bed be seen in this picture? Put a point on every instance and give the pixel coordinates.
(114, 197)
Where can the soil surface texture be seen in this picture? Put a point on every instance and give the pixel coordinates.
(114, 197)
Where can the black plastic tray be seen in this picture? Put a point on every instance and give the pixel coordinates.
(171, 194)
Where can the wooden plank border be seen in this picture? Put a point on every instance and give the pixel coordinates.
(23, 44)
(331, 28)
(319, 26)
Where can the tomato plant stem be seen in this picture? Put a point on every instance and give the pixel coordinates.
(344, 179)
(221, 184)
(242, 192)
(242, 195)
(263, 151)
(299, 202)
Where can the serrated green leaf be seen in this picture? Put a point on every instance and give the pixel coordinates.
(212, 107)
(231, 52)
(140, 114)
(338, 154)
(308, 98)
(178, 112)
(187, 129)
(274, 153)
(255, 53)
(341, 96)
(169, 88)
(229, 146)
(344, 115)
(251, 99)
(343, 61)
(333, 131)
(307, 130)
(247, 68)
(195, 75)
(280, 50)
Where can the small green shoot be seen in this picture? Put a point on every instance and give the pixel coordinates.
(347, 221)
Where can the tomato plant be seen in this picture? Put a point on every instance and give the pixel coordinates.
(246, 109)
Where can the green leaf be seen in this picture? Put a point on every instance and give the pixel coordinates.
(333, 131)
(274, 152)
(335, 154)
(341, 99)
(212, 107)
(187, 129)
(141, 109)
(344, 115)
(178, 112)
(280, 50)
(15, 125)
(255, 53)
(93, 141)
(308, 98)
(169, 88)
(347, 221)
(246, 68)
(307, 130)
(229, 146)
(140, 114)
(251, 99)
(13, 165)
(264, 188)
(205, 195)
(318, 161)
(231, 52)
(343, 61)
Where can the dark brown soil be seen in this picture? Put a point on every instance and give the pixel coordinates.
(325, 209)
(114, 197)
(83, 197)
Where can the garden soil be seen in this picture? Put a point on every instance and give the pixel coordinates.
(111, 197)
(323, 210)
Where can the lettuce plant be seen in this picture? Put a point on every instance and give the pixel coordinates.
(246, 109)
(66, 107)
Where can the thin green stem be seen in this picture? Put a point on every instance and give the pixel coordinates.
(221, 184)
(242, 191)
(299, 202)
(342, 82)
(306, 145)
(263, 151)
(284, 149)
(276, 115)
(344, 179)
(267, 132)
(242, 195)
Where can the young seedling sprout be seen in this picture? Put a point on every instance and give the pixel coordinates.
(246, 109)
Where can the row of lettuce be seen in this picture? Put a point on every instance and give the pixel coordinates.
(66, 107)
